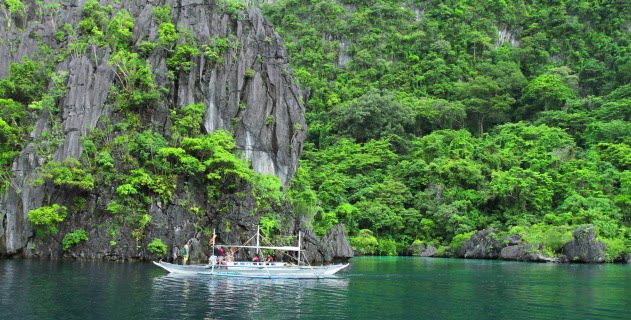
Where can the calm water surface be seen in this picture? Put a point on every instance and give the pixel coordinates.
(372, 288)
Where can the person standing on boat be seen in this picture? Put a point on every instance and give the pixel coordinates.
(213, 250)
(185, 252)
(256, 259)
(269, 259)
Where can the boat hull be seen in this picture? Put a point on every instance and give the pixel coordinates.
(252, 270)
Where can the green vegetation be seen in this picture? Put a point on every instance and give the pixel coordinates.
(156, 246)
(26, 82)
(67, 173)
(73, 238)
(13, 9)
(135, 78)
(429, 120)
(365, 242)
(47, 218)
(547, 239)
(231, 6)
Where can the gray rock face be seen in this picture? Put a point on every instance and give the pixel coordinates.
(584, 247)
(515, 250)
(251, 93)
(524, 252)
(422, 250)
(334, 246)
(429, 251)
(199, 252)
(84, 103)
(482, 245)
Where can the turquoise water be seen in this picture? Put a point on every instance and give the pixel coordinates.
(372, 288)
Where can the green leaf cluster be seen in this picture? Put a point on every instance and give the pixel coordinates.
(47, 218)
(26, 82)
(73, 238)
(156, 246)
(134, 75)
(68, 173)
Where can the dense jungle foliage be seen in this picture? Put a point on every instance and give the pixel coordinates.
(429, 120)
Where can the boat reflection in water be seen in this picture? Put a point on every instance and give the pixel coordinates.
(250, 298)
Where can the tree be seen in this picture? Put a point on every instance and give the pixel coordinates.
(224, 170)
(26, 82)
(616, 131)
(157, 247)
(484, 101)
(506, 74)
(616, 154)
(371, 116)
(14, 9)
(436, 114)
(543, 93)
(522, 193)
(187, 120)
(135, 78)
(365, 242)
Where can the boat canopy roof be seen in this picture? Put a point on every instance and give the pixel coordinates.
(284, 248)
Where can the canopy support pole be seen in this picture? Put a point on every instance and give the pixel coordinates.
(258, 240)
(299, 248)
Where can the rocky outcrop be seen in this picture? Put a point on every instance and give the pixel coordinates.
(198, 251)
(251, 93)
(482, 245)
(422, 250)
(516, 250)
(428, 251)
(524, 252)
(584, 247)
(485, 245)
(334, 246)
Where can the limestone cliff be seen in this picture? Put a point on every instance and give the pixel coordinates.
(245, 85)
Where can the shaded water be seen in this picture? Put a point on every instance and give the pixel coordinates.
(372, 288)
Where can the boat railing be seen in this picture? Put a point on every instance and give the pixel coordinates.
(252, 263)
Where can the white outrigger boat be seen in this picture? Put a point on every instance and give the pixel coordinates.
(257, 269)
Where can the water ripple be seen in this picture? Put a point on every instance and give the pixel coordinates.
(373, 287)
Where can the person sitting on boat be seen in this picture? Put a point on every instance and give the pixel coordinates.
(256, 259)
(269, 259)
(229, 257)
(221, 252)
(287, 261)
(218, 252)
